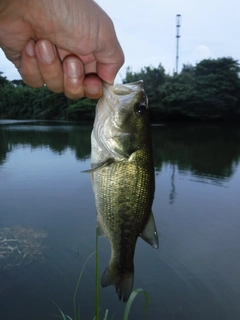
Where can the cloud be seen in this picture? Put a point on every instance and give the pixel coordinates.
(199, 53)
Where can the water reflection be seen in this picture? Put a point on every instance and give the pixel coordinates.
(57, 137)
(211, 151)
(194, 274)
(205, 150)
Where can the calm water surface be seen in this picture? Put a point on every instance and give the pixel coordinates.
(195, 274)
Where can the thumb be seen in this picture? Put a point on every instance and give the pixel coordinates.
(109, 65)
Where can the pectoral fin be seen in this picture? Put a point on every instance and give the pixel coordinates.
(96, 167)
(149, 233)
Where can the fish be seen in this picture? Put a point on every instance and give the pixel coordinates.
(123, 179)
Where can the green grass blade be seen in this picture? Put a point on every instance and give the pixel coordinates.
(62, 314)
(131, 299)
(77, 286)
(78, 314)
(97, 303)
(106, 315)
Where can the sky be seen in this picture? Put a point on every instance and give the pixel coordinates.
(146, 30)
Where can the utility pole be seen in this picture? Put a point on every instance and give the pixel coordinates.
(178, 21)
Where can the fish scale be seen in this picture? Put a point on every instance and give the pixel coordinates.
(118, 184)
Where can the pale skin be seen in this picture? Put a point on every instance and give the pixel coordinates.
(69, 45)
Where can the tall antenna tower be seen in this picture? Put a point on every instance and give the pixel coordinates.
(178, 21)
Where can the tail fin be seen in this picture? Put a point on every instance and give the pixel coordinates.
(123, 283)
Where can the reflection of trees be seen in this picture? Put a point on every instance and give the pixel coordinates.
(4, 147)
(211, 150)
(205, 150)
(57, 138)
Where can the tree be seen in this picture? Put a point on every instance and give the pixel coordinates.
(3, 80)
(19, 101)
(152, 78)
(209, 90)
(219, 85)
(18, 82)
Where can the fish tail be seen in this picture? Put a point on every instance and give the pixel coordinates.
(122, 282)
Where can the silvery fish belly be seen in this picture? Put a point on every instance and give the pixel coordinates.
(123, 179)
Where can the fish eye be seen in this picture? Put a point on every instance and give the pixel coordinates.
(140, 108)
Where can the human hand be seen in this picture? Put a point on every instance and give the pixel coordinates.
(69, 45)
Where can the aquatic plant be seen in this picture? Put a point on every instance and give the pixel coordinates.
(19, 245)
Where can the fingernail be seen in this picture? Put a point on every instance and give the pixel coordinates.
(30, 48)
(73, 68)
(47, 51)
(93, 90)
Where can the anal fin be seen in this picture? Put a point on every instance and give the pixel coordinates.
(149, 234)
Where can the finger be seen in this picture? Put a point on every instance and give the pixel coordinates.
(86, 82)
(92, 86)
(50, 65)
(29, 69)
(73, 77)
(92, 83)
(90, 67)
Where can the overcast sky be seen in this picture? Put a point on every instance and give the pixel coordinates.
(147, 32)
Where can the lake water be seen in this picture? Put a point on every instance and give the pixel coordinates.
(195, 273)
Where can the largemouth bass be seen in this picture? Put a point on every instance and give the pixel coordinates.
(123, 179)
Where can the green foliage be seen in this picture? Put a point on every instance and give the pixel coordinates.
(18, 82)
(19, 101)
(81, 109)
(3, 80)
(209, 90)
(152, 78)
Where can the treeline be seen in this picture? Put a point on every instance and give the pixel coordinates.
(208, 91)
(19, 101)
